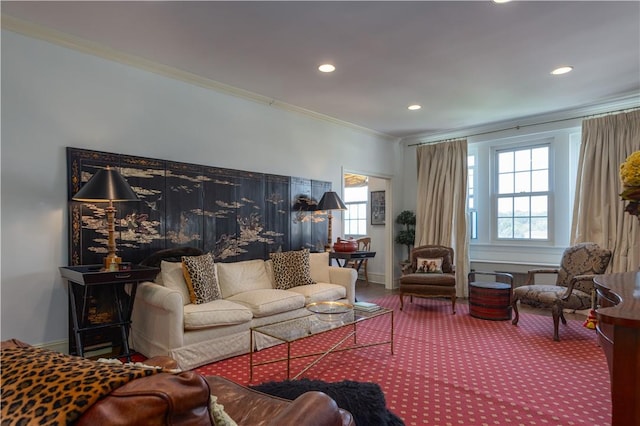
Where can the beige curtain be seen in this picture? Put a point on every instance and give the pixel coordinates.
(598, 211)
(441, 212)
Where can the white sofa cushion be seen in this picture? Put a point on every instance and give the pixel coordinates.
(319, 265)
(215, 313)
(267, 302)
(240, 277)
(320, 292)
(173, 278)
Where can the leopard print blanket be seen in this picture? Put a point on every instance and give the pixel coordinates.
(45, 387)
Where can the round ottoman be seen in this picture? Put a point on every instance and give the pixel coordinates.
(490, 300)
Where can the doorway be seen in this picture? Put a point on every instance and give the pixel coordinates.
(368, 201)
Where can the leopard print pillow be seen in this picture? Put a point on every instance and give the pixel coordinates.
(45, 387)
(291, 269)
(200, 274)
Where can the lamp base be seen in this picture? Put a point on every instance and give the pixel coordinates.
(112, 263)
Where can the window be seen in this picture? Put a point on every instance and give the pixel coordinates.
(471, 201)
(355, 218)
(522, 193)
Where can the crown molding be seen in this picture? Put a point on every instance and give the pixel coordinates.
(623, 102)
(40, 32)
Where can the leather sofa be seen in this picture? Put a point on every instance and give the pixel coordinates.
(179, 399)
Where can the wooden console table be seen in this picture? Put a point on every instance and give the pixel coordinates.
(619, 335)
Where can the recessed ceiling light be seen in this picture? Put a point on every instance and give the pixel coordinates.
(561, 70)
(501, 1)
(327, 68)
(414, 107)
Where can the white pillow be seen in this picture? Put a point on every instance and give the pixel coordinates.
(173, 278)
(238, 277)
(319, 264)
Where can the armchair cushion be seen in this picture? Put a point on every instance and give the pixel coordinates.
(544, 296)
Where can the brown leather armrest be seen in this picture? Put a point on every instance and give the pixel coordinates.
(165, 362)
(154, 400)
(13, 343)
(313, 408)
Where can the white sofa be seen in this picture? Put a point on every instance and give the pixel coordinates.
(165, 322)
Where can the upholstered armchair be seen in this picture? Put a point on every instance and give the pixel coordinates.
(574, 283)
(430, 274)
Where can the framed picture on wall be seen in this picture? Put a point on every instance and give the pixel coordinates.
(377, 207)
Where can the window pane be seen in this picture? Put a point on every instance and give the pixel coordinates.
(523, 160)
(362, 211)
(505, 162)
(358, 193)
(521, 227)
(521, 206)
(471, 204)
(539, 206)
(540, 158)
(523, 182)
(471, 160)
(505, 207)
(505, 183)
(505, 228)
(540, 181)
(539, 227)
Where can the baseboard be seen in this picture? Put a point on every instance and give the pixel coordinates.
(57, 346)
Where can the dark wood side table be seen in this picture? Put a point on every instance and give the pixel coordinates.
(87, 280)
(490, 300)
(343, 258)
(618, 331)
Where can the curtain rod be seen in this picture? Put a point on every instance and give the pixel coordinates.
(527, 125)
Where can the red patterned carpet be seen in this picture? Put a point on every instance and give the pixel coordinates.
(459, 370)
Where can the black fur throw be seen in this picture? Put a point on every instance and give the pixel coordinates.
(364, 400)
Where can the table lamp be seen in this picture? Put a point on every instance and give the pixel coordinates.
(330, 201)
(107, 185)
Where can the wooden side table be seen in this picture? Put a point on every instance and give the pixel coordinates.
(490, 300)
(82, 281)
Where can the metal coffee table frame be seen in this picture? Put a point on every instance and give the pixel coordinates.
(301, 328)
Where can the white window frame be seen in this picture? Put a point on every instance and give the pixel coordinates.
(353, 208)
(472, 182)
(529, 144)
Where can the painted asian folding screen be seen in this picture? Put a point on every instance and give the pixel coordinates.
(236, 215)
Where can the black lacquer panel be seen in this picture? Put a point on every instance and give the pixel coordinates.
(234, 214)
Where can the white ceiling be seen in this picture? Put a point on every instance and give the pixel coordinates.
(469, 63)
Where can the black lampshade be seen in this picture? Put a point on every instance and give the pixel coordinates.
(104, 186)
(331, 201)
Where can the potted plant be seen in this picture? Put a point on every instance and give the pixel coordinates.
(406, 236)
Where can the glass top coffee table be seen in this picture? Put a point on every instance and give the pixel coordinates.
(294, 330)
